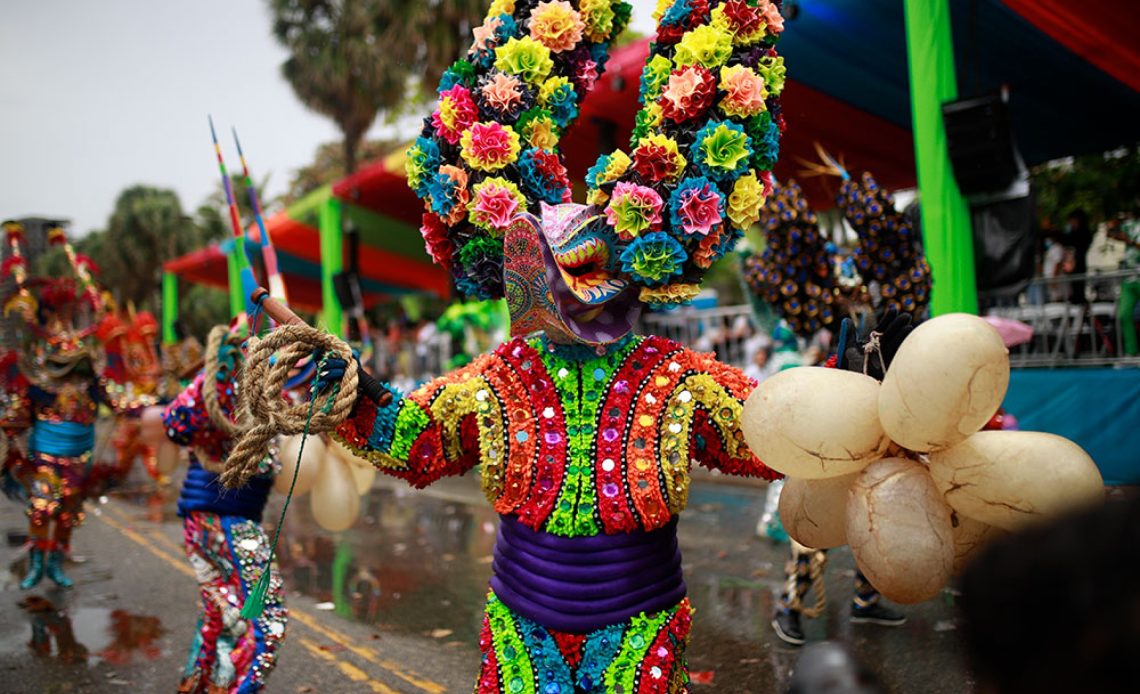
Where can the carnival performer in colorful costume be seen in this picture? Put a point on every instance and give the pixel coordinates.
(53, 390)
(225, 542)
(584, 433)
(795, 275)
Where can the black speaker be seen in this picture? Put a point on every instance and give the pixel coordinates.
(979, 140)
(347, 286)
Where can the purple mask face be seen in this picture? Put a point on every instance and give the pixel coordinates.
(540, 298)
(582, 247)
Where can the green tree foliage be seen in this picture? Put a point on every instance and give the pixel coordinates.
(1104, 185)
(349, 60)
(328, 165)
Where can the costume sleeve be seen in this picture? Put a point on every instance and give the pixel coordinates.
(186, 420)
(717, 441)
(15, 396)
(428, 434)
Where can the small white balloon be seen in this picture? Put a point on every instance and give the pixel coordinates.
(334, 501)
(814, 512)
(815, 423)
(1014, 478)
(899, 530)
(947, 379)
(363, 473)
(311, 464)
(970, 536)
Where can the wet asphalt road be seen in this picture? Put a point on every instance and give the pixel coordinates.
(394, 604)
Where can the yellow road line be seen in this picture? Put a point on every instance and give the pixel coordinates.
(337, 637)
(350, 671)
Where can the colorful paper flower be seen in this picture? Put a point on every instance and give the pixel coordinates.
(544, 176)
(502, 7)
(460, 72)
(647, 121)
(669, 295)
(495, 31)
(715, 246)
(721, 150)
(448, 193)
(538, 129)
(774, 72)
(772, 16)
(598, 16)
(438, 243)
(489, 146)
(455, 113)
(706, 45)
(586, 74)
(744, 92)
(653, 258)
(688, 94)
(495, 203)
(556, 25)
(764, 135)
(557, 95)
(680, 17)
(696, 206)
(745, 22)
(633, 209)
(745, 202)
(526, 58)
(608, 168)
(654, 76)
(481, 260)
(422, 162)
(502, 96)
(657, 158)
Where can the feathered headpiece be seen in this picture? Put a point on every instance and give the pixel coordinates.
(703, 144)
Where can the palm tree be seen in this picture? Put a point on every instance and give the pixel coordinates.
(351, 59)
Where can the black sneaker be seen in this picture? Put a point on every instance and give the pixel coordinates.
(877, 613)
(786, 623)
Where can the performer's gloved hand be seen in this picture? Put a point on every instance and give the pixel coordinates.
(890, 332)
(332, 371)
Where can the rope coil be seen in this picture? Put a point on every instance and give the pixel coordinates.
(219, 336)
(265, 413)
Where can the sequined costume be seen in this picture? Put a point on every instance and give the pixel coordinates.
(228, 549)
(132, 374)
(586, 457)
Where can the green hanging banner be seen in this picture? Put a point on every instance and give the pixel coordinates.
(332, 262)
(946, 229)
(237, 301)
(169, 307)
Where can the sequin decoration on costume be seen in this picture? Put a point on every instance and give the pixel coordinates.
(572, 442)
(643, 655)
(229, 653)
(794, 274)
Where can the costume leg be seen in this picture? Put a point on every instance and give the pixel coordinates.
(798, 576)
(201, 531)
(644, 655)
(865, 593)
(868, 608)
(44, 495)
(255, 650)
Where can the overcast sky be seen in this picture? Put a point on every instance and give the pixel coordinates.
(100, 95)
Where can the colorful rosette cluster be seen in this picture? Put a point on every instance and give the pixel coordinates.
(794, 273)
(888, 251)
(490, 149)
(703, 145)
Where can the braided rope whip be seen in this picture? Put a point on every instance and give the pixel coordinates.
(816, 564)
(265, 413)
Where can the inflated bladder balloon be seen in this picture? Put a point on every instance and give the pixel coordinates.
(814, 512)
(945, 382)
(363, 474)
(334, 500)
(815, 423)
(167, 458)
(1013, 478)
(152, 432)
(311, 463)
(899, 530)
(970, 536)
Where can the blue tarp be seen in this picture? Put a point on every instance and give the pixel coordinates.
(1097, 408)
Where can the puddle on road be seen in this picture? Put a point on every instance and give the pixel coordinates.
(86, 634)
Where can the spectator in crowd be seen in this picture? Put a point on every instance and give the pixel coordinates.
(760, 367)
(1078, 237)
(1128, 231)
(1054, 264)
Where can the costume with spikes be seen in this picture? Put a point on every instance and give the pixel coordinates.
(795, 275)
(224, 540)
(585, 434)
(52, 389)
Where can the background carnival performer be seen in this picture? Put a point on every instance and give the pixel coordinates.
(53, 389)
(224, 540)
(584, 433)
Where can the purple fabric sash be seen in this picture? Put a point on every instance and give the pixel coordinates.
(581, 584)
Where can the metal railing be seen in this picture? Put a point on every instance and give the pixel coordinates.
(724, 331)
(1076, 319)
